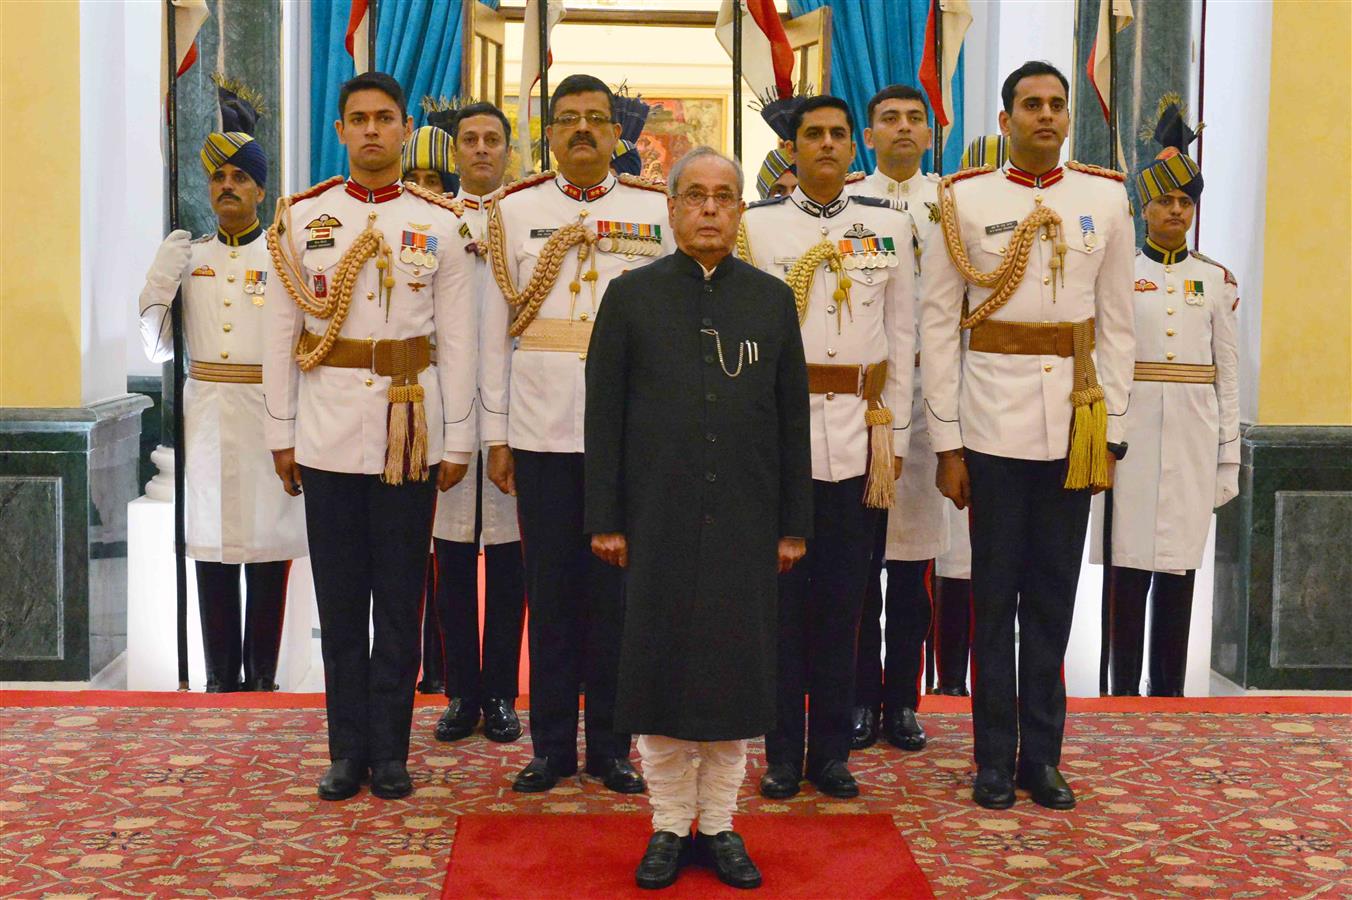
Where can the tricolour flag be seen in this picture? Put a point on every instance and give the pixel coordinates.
(767, 58)
(1100, 65)
(530, 72)
(938, 81)
(357, 39)
(188, 18)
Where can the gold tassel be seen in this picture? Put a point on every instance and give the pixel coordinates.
(406, 435)
(881, 488)
(1087, 461)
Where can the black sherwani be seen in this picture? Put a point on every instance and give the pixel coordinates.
(703, 473)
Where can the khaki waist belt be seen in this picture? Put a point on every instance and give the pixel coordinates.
(556, 336)
(1027, 338)
(861, 381)
(225, 373)
(1182, 373)
(397, 359)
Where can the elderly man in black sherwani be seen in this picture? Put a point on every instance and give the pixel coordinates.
(699, 484)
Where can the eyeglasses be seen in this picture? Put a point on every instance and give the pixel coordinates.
(571, 119)
(695, 198)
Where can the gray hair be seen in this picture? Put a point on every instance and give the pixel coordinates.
(674, 180)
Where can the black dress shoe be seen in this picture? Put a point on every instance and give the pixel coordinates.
(617, 774)
(993, 789)
(864, 733)
(540, 775)
(1046, 786)
(835, 780)
(342, 780)
(780, 781)
(261, 686)
(901, 730)
(952, 690)
(431, 686)
(727, 855)
(457, 721)
(389, 779)
(216, 686)
(663, 859)
(501, 723)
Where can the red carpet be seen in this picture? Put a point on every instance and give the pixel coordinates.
(852, 856)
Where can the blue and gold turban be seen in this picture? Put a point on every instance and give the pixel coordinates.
(234, 143)
(429, 147)
(1173, 169)
(774, 166)
(987, 150)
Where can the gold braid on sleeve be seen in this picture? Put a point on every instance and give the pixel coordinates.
(526, 303)
(743, 248)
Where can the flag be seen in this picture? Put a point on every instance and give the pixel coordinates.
(957, 18)
(188, 18)
(767, 58)
(1100, 65)
(530, 73)
(357, 40)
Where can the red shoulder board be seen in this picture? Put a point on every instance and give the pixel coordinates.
(441, 200)
(1097, 170)
(317, 189)
(855, 177)
(1229, 277)
(646, 184)
(966, 173)
(528, 181)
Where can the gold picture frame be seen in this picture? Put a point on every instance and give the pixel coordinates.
(678, 121)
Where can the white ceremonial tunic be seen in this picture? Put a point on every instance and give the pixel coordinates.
(1018, 406)
(544, 412)
(454, 519)
(1177, 434)
(877, 325)
(336, 417)
(916, 524)
(235, 508)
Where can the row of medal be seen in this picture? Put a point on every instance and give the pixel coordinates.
(629, 238)
(418, 249)
(868, 253)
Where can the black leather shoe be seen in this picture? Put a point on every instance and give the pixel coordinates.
(993, 789)
(726, 854)
(216, 686)
(389, 779)
(431, 686)
(541, 775)
(952, 690)
(1046, 786)
(864, 733)
(901, 730)
(617, 774)
(261, 686)
(835, 780)
(780, 782)
(663, 859)
(342, 780)
(457, 721)
(501, 723)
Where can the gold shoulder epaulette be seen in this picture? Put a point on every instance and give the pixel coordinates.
(1229, 277)
(441, 200)
(647, 184)
(284, 202)
(855, 177)
(1100, 171)
(528, 181)
(949, 180)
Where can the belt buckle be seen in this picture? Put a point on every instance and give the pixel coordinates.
(859, 385)
(374, 345)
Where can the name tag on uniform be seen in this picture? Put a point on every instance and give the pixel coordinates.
(542, 232)
(1002, 227)
(785, 261)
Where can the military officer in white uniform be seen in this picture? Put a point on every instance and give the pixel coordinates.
(1028, 420)
(236, 512)
(555, 242)
(1182, 427)
(915, 531)
(850, 263)
(369, 379)
(479, 138)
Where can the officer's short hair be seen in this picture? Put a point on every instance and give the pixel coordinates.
(583, 84)
(1028, 70)
(896, 92)
(372, 81)
(821, 101)
(482, 108)
(701, 152)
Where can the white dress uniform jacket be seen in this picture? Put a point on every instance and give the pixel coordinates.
(336, 417)
(544, 412)
(236, 509)
(455, 509)
(1018, 406)
(916, 524)
(1177, 434)
(878, 323)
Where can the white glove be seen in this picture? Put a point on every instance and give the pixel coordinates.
(172, 258)
(1227, 483)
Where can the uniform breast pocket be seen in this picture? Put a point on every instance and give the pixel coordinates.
(868, 285)
(1083, 243)
(993, 247)
(319, 265)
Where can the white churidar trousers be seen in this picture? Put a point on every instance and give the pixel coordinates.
(689, 780)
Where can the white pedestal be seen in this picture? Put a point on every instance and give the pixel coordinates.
(152, 655)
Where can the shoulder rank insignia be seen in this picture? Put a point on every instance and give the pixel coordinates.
(1100, 171)
(1145, 284)
(872, 201)
(436, 199)
(1229, 276)
(204, 272)
(528, 181)
(965, 174)
(647, 184)
(768, 201)
(933, 209)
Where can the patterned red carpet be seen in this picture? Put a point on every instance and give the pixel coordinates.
(187, 795)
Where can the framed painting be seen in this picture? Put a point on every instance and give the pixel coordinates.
(677, 122)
